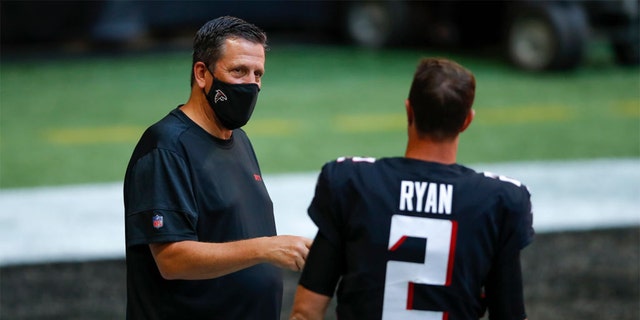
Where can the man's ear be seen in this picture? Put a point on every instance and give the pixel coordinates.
(409, 109)
(200, 72)
(468, 119)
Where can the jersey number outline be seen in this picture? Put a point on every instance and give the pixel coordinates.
(436, 269)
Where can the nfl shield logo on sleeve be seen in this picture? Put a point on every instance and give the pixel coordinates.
(158, 221)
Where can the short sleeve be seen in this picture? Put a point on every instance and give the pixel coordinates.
(159, 202)
(323, 267)
(322, 208)
(517, 232)
(520, 218)
(525, 224)
(503, 285)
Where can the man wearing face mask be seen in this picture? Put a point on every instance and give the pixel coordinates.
(200, 233)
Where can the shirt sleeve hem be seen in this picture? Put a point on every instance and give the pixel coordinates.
(160, 239)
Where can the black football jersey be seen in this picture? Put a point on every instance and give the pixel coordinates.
(411, 239)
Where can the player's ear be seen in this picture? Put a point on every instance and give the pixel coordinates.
(468, 119)
(200, 72)
(409, 109)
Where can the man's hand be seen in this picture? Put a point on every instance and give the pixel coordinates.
(289, 252)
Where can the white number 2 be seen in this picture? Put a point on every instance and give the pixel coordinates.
(401, 276)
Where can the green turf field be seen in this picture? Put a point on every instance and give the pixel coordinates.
(76, 120)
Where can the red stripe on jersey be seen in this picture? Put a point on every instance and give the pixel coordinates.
(410, 296)
(398, 244)
(452, 251)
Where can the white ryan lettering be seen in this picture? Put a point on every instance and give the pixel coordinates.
(427, 197)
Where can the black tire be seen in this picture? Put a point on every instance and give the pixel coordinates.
(627, 54)
(547, 36)
(376, 24)
(627, 47)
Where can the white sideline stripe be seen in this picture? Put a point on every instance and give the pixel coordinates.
(83, 222)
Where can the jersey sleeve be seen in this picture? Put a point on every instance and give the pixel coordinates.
(503, 286)
(518, 229)
(159, 203)
(323, 267)
(525, 225)
(323, 207)
(503, 289)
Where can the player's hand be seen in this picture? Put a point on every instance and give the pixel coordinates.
(289, 252)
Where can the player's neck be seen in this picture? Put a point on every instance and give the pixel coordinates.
(432, 151)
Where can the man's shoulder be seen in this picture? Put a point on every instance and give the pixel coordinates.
(346, 165)
(166, 131)
(355, 161)
(512, 191)
(171, 123)
(502, 182)
(165, 134)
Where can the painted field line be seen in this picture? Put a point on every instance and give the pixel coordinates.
(93, 135)
(83, 222)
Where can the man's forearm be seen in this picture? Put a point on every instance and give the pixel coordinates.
(308, 305)
(192, 260)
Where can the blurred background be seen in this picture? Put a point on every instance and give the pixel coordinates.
(534, 35)
(558, 104)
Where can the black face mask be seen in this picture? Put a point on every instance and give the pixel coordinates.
(232, 103)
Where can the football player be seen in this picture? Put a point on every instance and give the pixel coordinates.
(419, 236)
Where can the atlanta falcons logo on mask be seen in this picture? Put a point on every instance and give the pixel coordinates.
(220, 96)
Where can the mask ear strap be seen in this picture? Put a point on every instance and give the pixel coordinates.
(207, 66)
(214, 79)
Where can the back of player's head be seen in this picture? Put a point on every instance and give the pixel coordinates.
(208, 43)
(441, 96)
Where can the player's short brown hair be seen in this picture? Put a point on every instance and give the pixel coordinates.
(441, 96)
